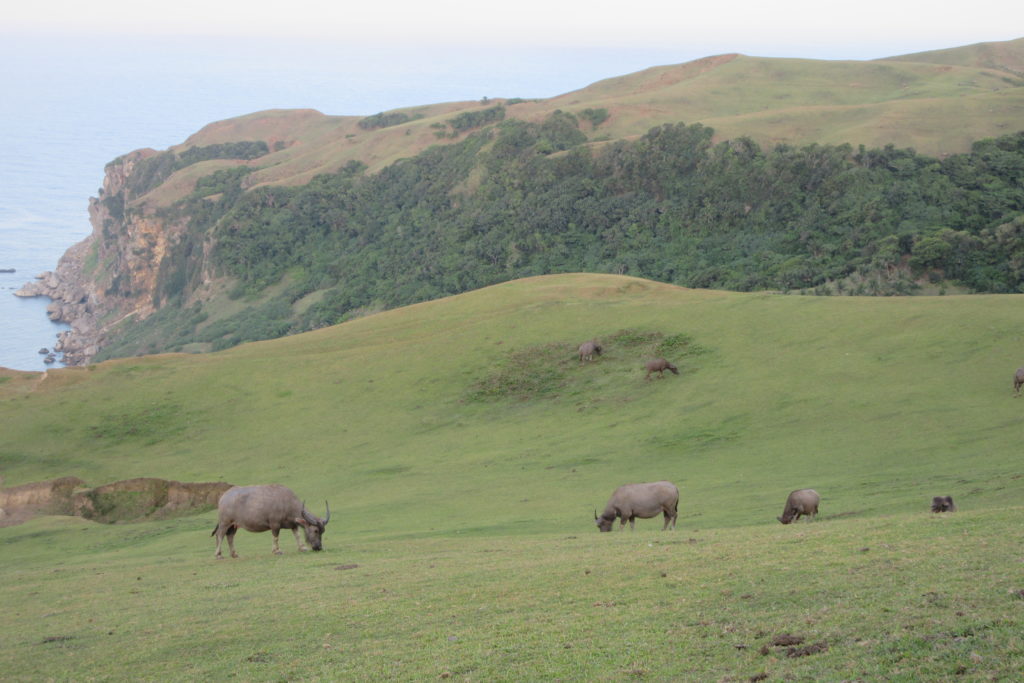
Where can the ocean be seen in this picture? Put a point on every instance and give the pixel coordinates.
(70, 105)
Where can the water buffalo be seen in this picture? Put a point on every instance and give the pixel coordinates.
(259, 508)
(800, 502)
(589, 349)
(660, 365)
(640, 500)
(943, 504)
(1018, 381)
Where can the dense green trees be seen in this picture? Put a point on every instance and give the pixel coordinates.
(517, 199)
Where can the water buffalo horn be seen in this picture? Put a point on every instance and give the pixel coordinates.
(328, 517)
(307, 515)
(595, 513)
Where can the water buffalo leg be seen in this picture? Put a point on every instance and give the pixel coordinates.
(231, 539)
(298, 539)
(274, 532)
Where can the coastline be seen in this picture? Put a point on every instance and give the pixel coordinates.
(70, 303)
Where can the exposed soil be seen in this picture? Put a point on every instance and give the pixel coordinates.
(790, 643)
(806, 650)
(785, 639)
(21, 503)
(122, 501)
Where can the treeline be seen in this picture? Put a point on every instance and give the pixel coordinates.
(383, 120)
(520, 199)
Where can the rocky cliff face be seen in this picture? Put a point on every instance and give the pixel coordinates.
(111, 274)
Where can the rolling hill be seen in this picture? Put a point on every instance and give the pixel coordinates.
(936, 102)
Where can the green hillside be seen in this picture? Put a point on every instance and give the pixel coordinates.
(463, 448)
(887, 398)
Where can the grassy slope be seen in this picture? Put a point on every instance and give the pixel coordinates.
(470, 520)
(799, 101)
(792, 390)
(938, 103)
(1005, 56)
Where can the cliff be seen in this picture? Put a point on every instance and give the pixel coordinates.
(111, 275)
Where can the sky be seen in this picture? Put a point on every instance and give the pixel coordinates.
(864, 29)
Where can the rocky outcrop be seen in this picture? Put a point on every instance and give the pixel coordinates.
(73, 301)
(112, 274)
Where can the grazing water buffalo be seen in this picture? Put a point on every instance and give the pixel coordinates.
(589, 349)
(800, 502)
(259, 508)
(943, 504)
(660, 365)
(1018, 381)
(640, 500)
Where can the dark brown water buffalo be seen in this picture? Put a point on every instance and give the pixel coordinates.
(640, 500)
(660, 365)
(589, 349)
(271, 507)
(943, 504)
(1018, 381)
(800, 502)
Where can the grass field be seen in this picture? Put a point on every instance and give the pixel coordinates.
(463, 449)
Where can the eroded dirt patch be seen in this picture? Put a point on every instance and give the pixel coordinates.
(122, 501)
(788, 645)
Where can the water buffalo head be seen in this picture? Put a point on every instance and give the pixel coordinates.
(604, 523)
(313, 526)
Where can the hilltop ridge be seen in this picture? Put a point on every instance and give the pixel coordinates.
(1007, 56)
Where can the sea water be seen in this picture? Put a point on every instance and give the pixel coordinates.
(69, 106)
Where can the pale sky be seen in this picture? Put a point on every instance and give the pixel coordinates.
(799, 28)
